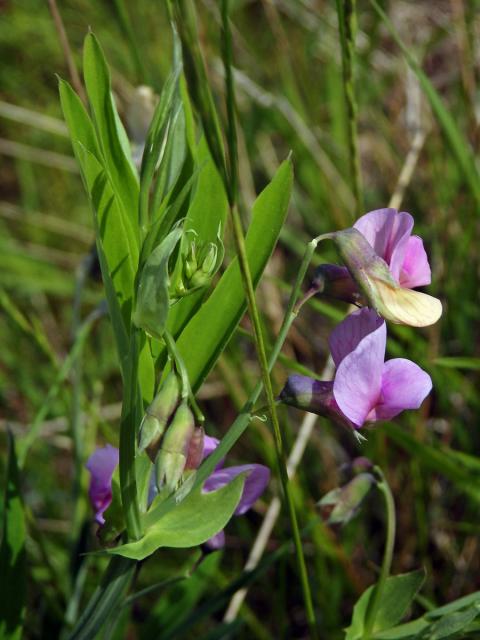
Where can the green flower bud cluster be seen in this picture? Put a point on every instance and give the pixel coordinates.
(200, 262)
(169, 436)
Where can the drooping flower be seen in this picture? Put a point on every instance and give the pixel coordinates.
(101, 464)
(255, 484)
(365, 388)
(385, 261)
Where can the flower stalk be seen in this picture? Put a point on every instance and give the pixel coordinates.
(376, 597)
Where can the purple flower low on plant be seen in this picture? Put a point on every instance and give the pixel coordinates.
(365, 388)
(255, 484)
(101, 464)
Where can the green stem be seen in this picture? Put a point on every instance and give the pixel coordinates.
(253, 312)
(182, 369)
(347, 28)
(379, 588)
(128, 434)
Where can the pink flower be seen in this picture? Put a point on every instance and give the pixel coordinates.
(383, 261)
(389, 233)
(103, 462)
(365, 388)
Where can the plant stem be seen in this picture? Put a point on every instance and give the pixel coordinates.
(253, 312)
(128, 434)
(378, 590)
(347, 28)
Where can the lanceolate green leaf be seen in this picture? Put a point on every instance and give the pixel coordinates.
(106, 597)
(459, 145)
(12, 554)
(114, 228)
(153, 301)
(192, 522)
(207, 334)
(78, 121)
(111, 135)
(397, 596)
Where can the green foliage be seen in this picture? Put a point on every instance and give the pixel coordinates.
(220, 314)
(193, 521)
(396, 599)
(13, 583)
(152, 303)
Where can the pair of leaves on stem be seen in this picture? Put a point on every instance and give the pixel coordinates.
(452, 621)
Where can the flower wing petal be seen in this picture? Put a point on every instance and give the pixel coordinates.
(396, 251)
(357, 383)
(255, 483)
(415, 270)
(404, 386)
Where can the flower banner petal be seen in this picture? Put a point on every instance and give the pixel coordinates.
(347, 335)
(415, 270)
(357, 383)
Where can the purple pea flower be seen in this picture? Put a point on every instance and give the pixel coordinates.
(383, 262)
(101, 464)
(255, 484)
(365, 388)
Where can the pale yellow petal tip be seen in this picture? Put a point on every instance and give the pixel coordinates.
(406, 306)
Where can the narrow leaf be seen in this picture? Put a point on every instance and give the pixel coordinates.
(153, 301)
(111, 135)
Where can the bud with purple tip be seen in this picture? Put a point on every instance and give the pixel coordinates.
(172, 457)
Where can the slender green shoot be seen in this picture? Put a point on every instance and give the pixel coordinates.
(378, 590)
(255, 317)
(347, 28)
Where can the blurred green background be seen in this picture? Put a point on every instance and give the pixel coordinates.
(290, 98)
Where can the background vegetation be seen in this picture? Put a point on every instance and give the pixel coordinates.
(416, 152)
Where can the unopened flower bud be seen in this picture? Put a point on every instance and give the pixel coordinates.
(195, 449)
(180, 289)
(334, 281)
(190, 265)
(199, 279)
(174, 449)
(374, 279)
(210, 260)
(314, 396)
(346, 500)
(157, 415)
